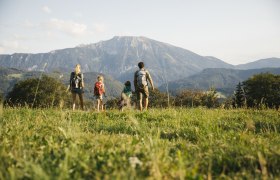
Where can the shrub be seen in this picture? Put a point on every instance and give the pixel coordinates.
(263, 90)
(195, 98)
(38, 93)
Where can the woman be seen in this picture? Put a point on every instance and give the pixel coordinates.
(77, 86)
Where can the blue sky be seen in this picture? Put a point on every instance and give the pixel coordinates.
(236, 31)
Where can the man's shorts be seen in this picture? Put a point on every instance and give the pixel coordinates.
(140, 92)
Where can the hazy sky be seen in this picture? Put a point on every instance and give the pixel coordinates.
(236, 31)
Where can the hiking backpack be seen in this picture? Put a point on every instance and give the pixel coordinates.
(76, 81)
(141, 76)
(98, 88)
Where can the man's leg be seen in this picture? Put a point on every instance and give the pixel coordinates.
(146, 101)
(140, 97)
(140, 105)
(146, 96)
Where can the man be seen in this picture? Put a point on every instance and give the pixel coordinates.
(141, 78)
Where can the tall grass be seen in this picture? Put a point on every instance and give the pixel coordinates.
(193, 143)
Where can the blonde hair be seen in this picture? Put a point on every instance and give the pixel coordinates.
(77, 69)
(100, 78)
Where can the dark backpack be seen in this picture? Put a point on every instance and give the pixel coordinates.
(98, 89)
(76, 81)
(141, 77)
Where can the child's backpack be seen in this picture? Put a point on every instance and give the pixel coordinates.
(141, 78)
(76, 81)
(98, 89)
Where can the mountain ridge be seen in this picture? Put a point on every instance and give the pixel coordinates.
(118, 57)
(261, 63)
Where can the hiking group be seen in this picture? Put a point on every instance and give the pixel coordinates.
(141, 79)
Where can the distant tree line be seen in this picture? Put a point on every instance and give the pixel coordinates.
(262, 90)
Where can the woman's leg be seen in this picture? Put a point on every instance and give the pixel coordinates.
(81, 100)
(74, 100)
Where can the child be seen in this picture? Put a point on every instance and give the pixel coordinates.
(125, 96)
(99, 90)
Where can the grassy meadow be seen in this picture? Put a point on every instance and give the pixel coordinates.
(190, 143)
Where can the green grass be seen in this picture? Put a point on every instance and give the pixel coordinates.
(158, 144)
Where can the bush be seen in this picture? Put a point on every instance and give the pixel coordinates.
(158, 99)
(263, 90)
(38, 93)
(189, 98)
(195, 98)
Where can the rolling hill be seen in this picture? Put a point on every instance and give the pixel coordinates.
(262, 63)
(224, 80)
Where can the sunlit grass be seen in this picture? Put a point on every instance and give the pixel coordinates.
(160, 144)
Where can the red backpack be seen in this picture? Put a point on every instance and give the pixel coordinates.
(98, 88)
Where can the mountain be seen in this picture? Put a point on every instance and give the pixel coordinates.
(224, 80)
(263, 63)
(10, 76)
(118, 57)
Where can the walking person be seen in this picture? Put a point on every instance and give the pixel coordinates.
(99, 90)
(77, 86)
(141, 78)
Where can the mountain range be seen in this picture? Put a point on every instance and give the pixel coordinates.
(118, 57)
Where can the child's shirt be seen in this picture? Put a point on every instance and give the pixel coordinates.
(127, 91)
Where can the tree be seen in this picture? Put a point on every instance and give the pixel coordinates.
(239, 96)
(263, 89)
(38, 92)
(210, 99)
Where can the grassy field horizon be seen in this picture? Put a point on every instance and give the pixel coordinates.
(188, 143)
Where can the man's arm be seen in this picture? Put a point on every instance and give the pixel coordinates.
(149, 78)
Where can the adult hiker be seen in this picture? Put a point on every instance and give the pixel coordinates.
(141, 78)
(77, 86)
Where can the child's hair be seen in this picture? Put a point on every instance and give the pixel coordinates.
(100, 78)
(127, 83)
